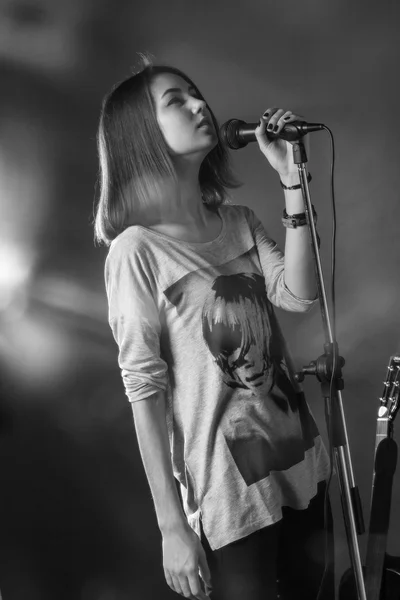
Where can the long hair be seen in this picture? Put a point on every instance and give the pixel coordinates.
(137, 175)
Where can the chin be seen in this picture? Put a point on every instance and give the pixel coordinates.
(212, 143)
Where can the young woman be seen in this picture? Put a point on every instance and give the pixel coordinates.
(191, 282)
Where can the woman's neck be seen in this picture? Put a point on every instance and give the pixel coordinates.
(190, 208)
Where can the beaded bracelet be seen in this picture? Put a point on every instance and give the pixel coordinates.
(295, 187)
(297, 220)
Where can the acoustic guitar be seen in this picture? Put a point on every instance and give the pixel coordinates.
(381, 571)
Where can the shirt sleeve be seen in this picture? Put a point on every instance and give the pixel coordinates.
(135, 323)
(273, 267)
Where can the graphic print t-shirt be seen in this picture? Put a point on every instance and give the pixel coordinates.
(196, 320)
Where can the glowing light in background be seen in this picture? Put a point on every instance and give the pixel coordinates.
(32, 348)
(24, 200)
(35, 350)
(62, 293)
(41, 315)
(15, 272)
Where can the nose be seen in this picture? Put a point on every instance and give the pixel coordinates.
(199, 106)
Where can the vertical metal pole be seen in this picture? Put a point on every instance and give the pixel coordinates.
(342, 452)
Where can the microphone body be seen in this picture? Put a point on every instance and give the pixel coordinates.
(237, 134)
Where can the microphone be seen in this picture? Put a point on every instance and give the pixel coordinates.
(237, 134)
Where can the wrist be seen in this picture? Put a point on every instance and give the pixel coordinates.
(173, 518)
(171, 527)
(290, 179)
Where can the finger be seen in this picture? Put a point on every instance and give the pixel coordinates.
(269, 112)
(188, 583)
(204, 568)
(288, 117)
(195, 587)
(169, 580)
(260, 129)
(273, 120)
(177, 586)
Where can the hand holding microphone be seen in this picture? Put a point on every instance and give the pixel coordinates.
(276, 128)
(237, 134)
(277, 150)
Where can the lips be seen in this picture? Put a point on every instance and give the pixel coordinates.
(204, 121)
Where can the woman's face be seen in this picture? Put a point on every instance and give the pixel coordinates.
(254, 371)
(179, 111)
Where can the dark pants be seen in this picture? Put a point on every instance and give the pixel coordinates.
(284, 560)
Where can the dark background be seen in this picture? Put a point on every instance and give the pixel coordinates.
(77, 521)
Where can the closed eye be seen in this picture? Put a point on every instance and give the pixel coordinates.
(179, 99)
(173, 100)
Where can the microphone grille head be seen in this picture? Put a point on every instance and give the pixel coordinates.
(229, 134)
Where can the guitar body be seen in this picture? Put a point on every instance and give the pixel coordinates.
(390, 588)
(381, 570)
(391, 585)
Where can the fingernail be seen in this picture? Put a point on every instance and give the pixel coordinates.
(270, 126)
(266, 114)
(276, 128)
(286, 118)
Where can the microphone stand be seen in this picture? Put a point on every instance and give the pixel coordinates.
(327, 369)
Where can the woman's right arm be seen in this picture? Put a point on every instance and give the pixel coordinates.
(135, 323)
(151, 430)
(183, 553)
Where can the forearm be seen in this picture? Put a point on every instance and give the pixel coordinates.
(299, 261)
(152, 435)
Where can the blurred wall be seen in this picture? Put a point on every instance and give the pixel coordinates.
(76, 517)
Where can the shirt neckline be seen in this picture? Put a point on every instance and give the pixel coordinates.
(216, 240)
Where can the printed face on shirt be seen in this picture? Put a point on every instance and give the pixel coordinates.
(253, 370)
(179, 110)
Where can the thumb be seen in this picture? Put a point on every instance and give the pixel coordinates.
(265, 143)
(203, 567)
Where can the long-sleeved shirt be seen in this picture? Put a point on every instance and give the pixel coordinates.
(196, 320)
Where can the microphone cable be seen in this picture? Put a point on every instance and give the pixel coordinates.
(328, 409)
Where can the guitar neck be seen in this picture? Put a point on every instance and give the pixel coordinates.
(384, 429)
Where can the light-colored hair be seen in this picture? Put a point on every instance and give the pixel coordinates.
(136, 173)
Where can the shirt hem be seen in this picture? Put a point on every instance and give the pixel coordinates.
(271, 519)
